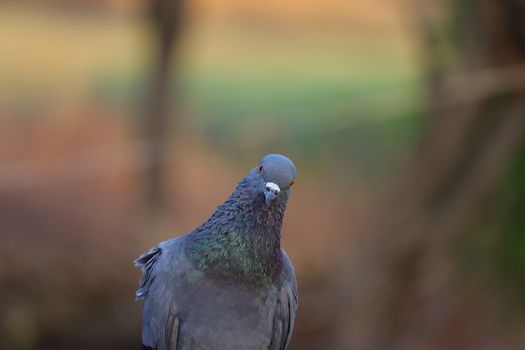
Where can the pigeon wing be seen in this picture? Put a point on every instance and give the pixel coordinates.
(160, 321)
(286, 307)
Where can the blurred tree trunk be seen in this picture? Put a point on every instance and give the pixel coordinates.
(402, 288)
(167, 17)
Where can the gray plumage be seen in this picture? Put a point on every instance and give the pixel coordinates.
(227, 284)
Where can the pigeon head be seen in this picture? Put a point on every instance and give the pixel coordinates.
(276, 174)
(242, 237)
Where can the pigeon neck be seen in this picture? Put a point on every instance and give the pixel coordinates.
(242, 239)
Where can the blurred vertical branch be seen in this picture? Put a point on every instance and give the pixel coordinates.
(402, 289)
(167, 18)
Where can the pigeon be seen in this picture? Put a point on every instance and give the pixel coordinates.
(226, 284)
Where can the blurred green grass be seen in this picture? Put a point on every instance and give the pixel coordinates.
(494, 248)
(322, 92)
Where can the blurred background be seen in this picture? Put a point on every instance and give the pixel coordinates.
(126, 122)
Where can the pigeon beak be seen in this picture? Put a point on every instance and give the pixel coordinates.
(271, 191)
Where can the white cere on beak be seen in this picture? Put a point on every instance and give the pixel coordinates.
(273, 187)
(271, 191)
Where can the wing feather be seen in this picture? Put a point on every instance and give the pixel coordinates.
(160, 323)
(286, 308)
(147, 263)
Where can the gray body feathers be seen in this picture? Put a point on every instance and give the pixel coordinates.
(184, 310)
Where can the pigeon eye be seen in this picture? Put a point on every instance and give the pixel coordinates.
(291, 183)
(260, 168)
